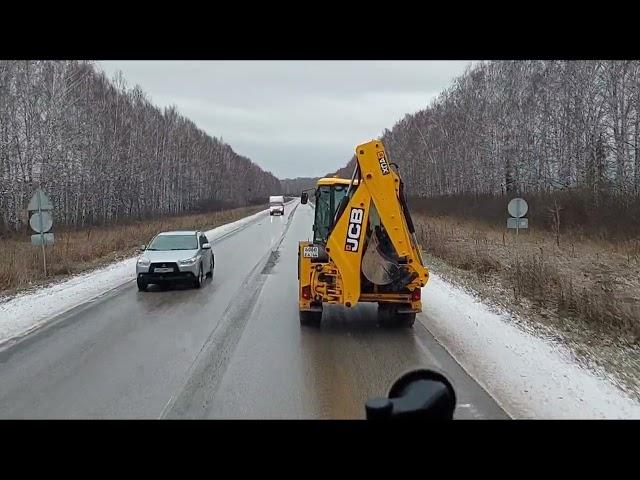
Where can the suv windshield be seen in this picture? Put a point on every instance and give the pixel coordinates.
(174, 242)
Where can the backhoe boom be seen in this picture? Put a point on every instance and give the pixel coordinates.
(369, 252)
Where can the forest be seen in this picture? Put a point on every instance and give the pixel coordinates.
(295, 186)
(552, 131)
(104, 153)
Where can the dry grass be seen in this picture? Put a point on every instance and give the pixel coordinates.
(79, 250)
(575, 212)
(594, 283)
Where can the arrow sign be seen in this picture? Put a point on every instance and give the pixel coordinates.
(517, 223)
(46, 239)
(45, 203)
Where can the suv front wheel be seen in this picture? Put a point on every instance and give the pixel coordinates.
(142, 284)
(210, 274)
(199, 279)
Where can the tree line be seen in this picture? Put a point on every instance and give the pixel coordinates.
(526, 126)
(564, 130)
(294, 186)
(104, 153)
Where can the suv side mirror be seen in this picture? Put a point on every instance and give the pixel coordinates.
(419, 394)
(304, 197)
(206, 246)
(143, 248)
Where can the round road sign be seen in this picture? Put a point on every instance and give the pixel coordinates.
(518, 207)
(47, 222)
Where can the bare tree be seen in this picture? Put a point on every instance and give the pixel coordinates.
(517, 127)
(105, 153)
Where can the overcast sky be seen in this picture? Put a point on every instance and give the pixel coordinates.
(293, 118)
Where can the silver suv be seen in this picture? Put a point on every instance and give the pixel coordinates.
(175, 256)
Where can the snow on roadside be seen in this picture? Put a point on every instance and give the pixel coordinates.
(223, 230)
(28, 311)
(529, 376)
(218, 232)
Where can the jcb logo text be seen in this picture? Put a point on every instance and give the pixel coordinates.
(353, 231)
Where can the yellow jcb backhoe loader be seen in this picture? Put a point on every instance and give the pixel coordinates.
(364, 247)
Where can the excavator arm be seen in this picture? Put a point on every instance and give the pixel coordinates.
(384, 250)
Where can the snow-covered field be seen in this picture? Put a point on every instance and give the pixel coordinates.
(30, 310)
(528, 375)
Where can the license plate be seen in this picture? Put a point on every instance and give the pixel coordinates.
(310, 252)
(163, 270)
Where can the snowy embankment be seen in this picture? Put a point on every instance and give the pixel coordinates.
(28, 311)
(528, 375)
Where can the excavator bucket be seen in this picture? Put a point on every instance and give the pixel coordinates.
(377, 267)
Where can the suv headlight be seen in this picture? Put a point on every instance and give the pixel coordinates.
(188, 261)
(144, 262)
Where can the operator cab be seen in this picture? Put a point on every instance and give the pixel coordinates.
(329, 193)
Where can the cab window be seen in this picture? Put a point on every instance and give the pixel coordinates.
(328, 199)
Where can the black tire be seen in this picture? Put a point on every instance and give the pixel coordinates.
(310, 319)
(198, 281)
(142, 285)
(385, 317)
(406, 320)
(210, 274)
(388, 316)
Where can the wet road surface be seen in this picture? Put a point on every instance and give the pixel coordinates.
(232, 349)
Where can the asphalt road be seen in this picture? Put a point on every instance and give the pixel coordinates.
(232, 349)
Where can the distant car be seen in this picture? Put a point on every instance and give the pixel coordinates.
(181, 256)
(276, 205)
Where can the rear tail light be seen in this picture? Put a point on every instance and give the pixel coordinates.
(415, 295)
(306, 292)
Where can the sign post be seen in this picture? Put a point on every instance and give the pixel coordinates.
(41, 222)
(40, 229)
(517, 208)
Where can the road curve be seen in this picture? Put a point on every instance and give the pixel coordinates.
(232, 349)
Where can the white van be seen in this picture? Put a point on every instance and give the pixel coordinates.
(276, 205)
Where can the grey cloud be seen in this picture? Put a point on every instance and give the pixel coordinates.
(293, 118)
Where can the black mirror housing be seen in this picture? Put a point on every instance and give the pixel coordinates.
(419, 394)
